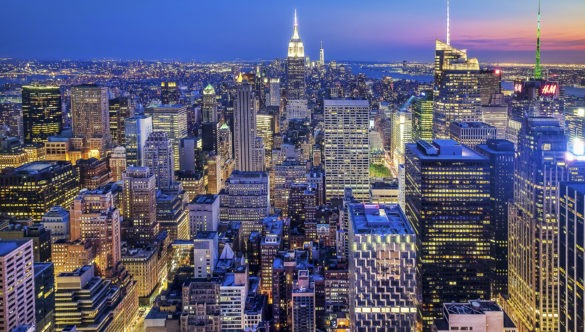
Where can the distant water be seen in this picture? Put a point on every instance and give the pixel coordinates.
(378, 73)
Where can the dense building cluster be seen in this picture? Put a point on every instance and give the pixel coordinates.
(293, 196)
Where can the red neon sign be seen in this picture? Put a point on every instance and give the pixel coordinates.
(518, 87)
(549, 89)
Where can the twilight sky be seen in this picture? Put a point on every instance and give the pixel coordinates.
(375, 30)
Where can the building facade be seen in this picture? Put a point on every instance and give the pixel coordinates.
(447, 193)
(347, 148)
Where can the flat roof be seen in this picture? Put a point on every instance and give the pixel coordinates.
(346, 102)
(379, 219)
(204, 199)
(443, 150)
(7, 247)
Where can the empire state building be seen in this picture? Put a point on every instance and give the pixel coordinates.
(295, 66)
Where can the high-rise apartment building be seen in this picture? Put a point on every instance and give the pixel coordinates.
(30, 190)
(382, 269)
(90, 115)
(456, 94)
(447, 193)
(136, 132)
(347, 148)
(173, 121)
(17, 299)
(41, 112)
(139, 206)
(96, 219)
(501, 156)
(303, 303)
(534, 227)
(158, 156)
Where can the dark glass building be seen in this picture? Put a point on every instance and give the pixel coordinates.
(571, 257)
(30, 190)
(501, 156)
(120, 109)
(41, 113)
(448, 203)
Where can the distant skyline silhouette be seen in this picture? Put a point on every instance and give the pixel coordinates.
(493, 31)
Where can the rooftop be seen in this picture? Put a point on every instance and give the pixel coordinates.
(346, 102)
(442, 149)
(205, 199)
(6, 247)
(471, 124)
(379, 219)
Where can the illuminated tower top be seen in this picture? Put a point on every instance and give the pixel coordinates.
(295, 45)
(537, 67)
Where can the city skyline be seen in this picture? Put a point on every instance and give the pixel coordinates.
(366, 32)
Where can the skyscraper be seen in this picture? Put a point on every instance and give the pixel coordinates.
(274, 99)
(456, 91)
(41, 112)
(382, 269)
(95, 219)
(209, 107)
(448, 204)
(501, 156)
(347, 148)
(17, 299)
(31, 190)
(245, 129)
(571, 258)
(173, 121)
(322, 55)
(295, 66)
(158, 156)
(303, 304)
(139, 202)
(422, 117)
(137, 129)
(90, 115)
(533, 225)
(121, 108)
(169, 93)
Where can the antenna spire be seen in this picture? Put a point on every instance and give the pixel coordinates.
(296, 27)
(537, 67)
(448, 23)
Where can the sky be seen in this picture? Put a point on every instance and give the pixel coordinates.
(217, 30)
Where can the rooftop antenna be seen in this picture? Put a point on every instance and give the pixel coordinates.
(449, 23)
(537, 67)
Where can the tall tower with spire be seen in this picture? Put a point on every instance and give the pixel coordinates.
(295, 65)
(456, 90)
(537, 67)
(321, 55)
